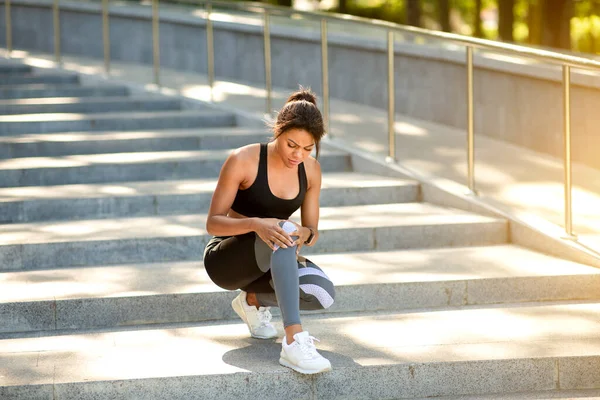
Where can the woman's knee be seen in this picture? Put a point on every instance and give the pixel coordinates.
(285, 258)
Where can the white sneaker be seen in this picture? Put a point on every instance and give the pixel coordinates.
(258, 320)
(302, 355)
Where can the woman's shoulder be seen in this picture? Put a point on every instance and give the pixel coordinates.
(313, 171)
(246, 154)
(312, 165)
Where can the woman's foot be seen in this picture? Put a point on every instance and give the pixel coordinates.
(302, 356)
(258, 319)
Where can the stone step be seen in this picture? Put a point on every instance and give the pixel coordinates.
(183, 237)
(590, 394)
(440, 352)
(38, 78)
(14, 69)
(61, 144)
(129, 199)
(87, 105)
(178, 292)
(127, 167)
(45, 123)
(40, 90)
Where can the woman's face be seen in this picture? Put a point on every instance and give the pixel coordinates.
(294, 146)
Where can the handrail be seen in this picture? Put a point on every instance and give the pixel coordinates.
(544, 55)
(565, 60)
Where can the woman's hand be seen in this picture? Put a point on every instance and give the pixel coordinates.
(302, 234)
(269, 230)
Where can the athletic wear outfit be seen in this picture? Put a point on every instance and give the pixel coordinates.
(279, 278)
(246, 262)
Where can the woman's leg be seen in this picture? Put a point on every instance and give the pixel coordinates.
(231, 263)
(316, 289)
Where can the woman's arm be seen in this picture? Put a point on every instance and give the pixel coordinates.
(310, 206)
(231, 177)
(233, 173)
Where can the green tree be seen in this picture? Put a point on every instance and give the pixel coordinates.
(556, 23)
(413, 12)
(444, 14)
(477, 31)
(506, 19)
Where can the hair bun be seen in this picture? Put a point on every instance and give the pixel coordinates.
(303, 94)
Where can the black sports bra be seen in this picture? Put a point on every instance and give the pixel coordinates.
(259, 201)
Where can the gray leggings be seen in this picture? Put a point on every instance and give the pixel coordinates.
(278, 278)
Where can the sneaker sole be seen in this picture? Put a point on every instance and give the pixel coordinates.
(239, 310)
(288, 364)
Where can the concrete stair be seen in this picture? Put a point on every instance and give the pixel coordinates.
(15, 69)
(124, 167)
(44, 123)
(104, 295)
(48, 90)
(396, 280)
(183, 237)
(89, 105)
(28, 79)
(63, 144)
(429, 353)
(129, 199)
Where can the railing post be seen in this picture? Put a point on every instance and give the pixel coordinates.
(8, 27)
(156, 42)
(567, 148)
(470, 124)
(391, 98)
(57, 38)
(267, 49)
(325, 74)
(210, 50)
(106, 36)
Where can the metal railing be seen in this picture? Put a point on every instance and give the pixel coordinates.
(566, 61)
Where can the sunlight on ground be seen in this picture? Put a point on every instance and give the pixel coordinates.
(488, 332)
(48, 100)
(39, 62)
(494, 174)
(132, 158)
(100, 189)
(41, 162)
(406, 129)
(237, 19)
(223, 88)
(171, 226)
(549, 197)
(346, 118)
(109, 281)
(47, 117)
(509, 59)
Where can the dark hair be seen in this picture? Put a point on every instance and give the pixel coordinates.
(300, 112)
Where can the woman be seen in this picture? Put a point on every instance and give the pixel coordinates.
(256, 248)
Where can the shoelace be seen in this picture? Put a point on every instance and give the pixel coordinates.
(264, 315)
(307, 346)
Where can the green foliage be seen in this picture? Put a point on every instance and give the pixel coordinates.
(387, 10)
(585, 34)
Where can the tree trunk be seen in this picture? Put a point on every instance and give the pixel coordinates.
(342, 8)
(556, 23)
(287, 3)
(413, 12)
(506, 19)
(477, 31)
(444, 15)
(534, 21)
